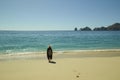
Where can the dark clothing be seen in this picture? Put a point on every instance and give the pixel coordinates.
(49, 53)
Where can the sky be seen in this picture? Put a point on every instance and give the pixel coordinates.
(57, 14)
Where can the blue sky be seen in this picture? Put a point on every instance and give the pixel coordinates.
(57, 14)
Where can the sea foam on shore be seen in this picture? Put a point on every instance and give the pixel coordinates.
(62, 54)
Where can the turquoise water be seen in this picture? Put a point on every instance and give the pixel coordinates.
(35, 41)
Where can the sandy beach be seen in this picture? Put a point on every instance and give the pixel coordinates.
(88, 65)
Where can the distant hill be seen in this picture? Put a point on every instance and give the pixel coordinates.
(85, 29)
(100, 29)
(113, 27)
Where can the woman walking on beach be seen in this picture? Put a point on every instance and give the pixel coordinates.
(49, 53)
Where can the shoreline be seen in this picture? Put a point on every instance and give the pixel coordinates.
(62, 54)
(61, 51)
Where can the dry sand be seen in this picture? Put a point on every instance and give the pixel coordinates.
(101, 65)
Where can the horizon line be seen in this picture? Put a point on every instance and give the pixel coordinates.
(35, 30)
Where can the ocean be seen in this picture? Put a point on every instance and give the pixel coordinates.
(38, 41)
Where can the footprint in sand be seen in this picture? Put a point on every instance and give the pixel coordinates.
(78, 74)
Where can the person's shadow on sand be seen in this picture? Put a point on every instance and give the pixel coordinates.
(53, 62)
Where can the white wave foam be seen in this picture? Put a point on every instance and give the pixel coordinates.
(95, 50)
